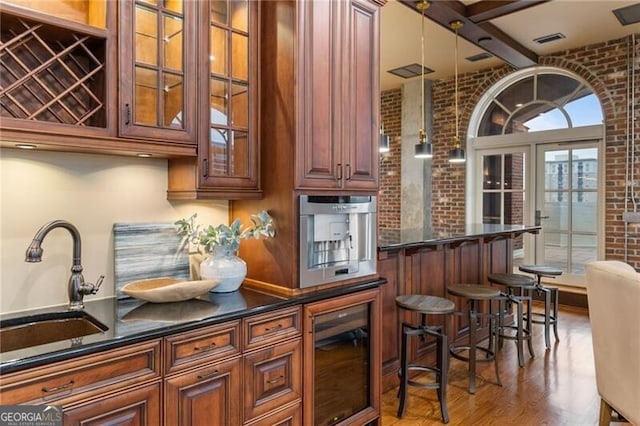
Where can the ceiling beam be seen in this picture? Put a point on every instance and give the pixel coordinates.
(482, 33)
(486, 10)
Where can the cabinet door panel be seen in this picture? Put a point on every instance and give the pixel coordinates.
(208, 396)
(273, 378)
(140, 406)
(361, 156)
(319, 154)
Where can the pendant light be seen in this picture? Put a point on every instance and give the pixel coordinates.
(456, 155)
(422, 148)
(383, 143)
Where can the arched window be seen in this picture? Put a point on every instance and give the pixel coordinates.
(542, 101)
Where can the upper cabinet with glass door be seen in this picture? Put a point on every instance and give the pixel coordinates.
(228, 115)
(157, 69)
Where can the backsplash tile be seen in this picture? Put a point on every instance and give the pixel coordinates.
(147, 250)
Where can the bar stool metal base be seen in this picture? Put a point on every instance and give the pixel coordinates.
(474, 293)
(550, 315)
(425, 305)
(521, 330)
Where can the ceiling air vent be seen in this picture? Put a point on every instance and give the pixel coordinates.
(549, 38)
(409, 71)
(479, 57)
(629, 14)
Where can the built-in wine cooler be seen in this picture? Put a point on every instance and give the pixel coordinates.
(343, 335)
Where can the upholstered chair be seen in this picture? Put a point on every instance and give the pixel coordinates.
(613, 292)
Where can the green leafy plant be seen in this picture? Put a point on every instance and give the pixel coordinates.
(206, 238)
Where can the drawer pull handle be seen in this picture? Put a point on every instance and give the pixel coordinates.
(66, 387)
(274, 328)
(206, 348)
(276, 380)
(208, 375)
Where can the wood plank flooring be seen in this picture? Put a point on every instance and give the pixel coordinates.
(557, 387)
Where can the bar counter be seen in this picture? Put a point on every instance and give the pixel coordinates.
(416, 261)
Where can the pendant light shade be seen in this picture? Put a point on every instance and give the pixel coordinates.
(383, 143)
(422, 148)
(456, 155)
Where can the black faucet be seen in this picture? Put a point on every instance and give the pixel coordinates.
(77, 286)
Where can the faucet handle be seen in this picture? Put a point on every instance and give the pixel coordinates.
(95, 287)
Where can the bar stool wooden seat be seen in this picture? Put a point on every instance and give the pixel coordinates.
(475, 293)
(425, 306)
(550, 315)
(517, 293)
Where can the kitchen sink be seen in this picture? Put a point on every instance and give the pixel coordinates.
(34, 330)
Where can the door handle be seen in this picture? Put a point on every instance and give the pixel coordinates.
(539, 217)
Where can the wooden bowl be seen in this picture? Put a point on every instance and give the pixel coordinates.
(162, 290)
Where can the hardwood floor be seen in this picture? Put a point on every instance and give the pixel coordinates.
(557, 387)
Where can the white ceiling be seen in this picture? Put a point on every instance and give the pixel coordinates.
(583, 22)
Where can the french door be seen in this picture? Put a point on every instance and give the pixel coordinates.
(504, 189)
(567, 206)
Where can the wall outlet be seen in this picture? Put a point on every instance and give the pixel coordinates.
(631, 217)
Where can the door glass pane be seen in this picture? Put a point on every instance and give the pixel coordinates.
(146, 97)
(173, 5)
(583, 250)
(556, 206)
(239, 155)
(173, 101)
(513, 208)
(173, 33)
(492, 172)
(240, 57)
(584, 168)
(491, 207)
(514, 171)
(219, 11)
(556, 170)
(218, 52)
(341, 364)
(584, 212)
(555, 249)
(146, 43)
(240, 106)
(239, 15)
(218, 143)
(218, 102)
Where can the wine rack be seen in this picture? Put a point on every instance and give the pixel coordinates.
(51, 74)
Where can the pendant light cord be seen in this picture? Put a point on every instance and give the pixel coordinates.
(456, 88)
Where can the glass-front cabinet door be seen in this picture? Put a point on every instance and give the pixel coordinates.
(157, 66)
(228, 109)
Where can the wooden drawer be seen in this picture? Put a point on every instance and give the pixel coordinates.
(272, 378)
(272, 327)
(209, 395)
(289, 416)
(68, 381)
(196, 347)
(138, 406)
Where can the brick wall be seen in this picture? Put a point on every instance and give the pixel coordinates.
(604, 66)
(390, 191)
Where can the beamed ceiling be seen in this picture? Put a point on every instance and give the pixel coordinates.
(506, 29)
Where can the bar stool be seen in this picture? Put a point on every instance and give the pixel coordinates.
(523, 284)
(425, 305)
(475, 293)
(550, 299)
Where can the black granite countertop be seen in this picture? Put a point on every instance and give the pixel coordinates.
(393, 239)
(131, 321)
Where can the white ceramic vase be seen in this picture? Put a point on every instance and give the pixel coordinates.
(225, 266)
